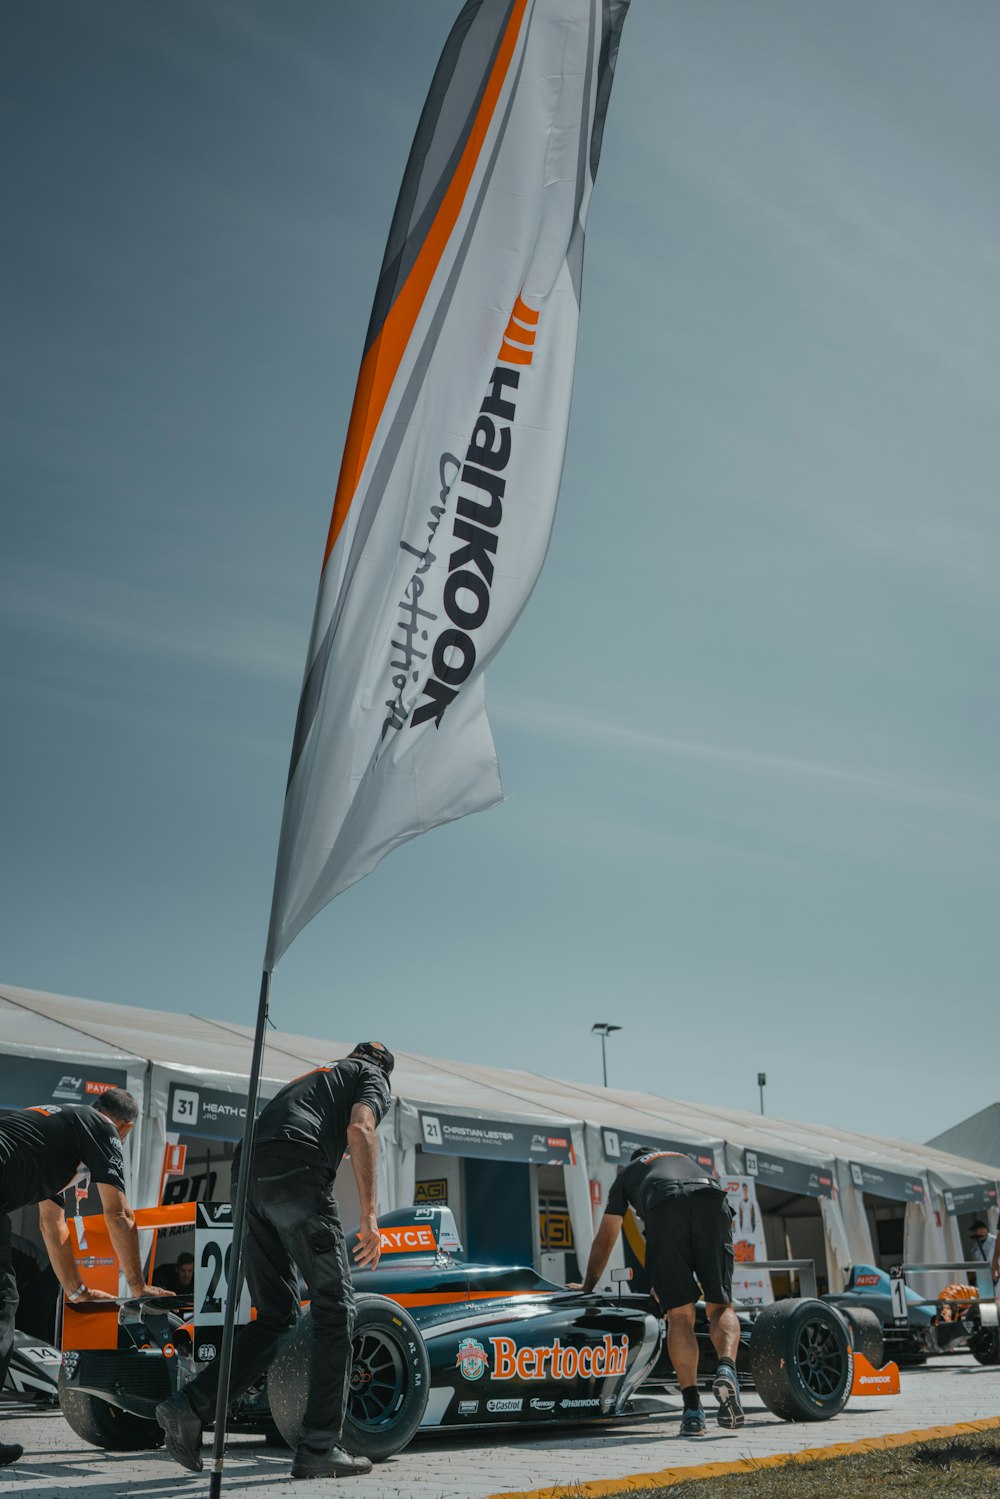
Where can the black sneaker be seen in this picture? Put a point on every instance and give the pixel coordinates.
(726, 1389)
(182, 1426)
(693, 1423)
(10, 1452)
(333, 1463)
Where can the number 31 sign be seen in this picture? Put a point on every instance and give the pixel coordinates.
(213, 1253)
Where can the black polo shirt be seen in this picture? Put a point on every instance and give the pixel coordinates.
(311, 1114)
(652, 1179)
(45, 1150)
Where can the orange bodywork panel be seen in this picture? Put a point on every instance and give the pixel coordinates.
(871, 1381)
(94, 1324)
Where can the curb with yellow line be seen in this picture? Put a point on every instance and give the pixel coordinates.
(634, 1483)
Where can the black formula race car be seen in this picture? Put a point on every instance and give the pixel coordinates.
(442, 1345)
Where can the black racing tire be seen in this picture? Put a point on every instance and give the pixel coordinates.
(984, 1345)
(801, 1360)
(865, 1332)
(108, 1426)
(390, 1380)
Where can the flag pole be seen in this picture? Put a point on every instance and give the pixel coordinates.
(239, 1235)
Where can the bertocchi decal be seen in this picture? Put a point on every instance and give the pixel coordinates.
(554, 1361)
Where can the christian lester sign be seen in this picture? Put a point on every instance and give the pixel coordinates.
(495, 1139)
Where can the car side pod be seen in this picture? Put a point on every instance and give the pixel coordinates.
(870, 1381)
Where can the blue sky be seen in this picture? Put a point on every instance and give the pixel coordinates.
(748, 724)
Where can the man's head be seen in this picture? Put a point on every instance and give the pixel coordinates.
(380, 1056)
(640, 1150)
(120, 1107)
(980, 1231)
(185, 1270)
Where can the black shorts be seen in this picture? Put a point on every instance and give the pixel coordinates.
(689, 1243)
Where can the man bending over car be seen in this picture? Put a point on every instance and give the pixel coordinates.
(689, 1236)
(293, 1220)
(44, 1152)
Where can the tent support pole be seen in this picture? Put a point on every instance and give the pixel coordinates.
(239, 1235)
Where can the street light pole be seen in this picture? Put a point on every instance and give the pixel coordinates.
(761, 1080)
(603, 1029)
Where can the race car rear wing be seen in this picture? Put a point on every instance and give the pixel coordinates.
(902, 1301)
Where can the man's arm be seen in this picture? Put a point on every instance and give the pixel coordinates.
(124, 1238)
(55, 1232)
(363, 1146)
(600, 1251)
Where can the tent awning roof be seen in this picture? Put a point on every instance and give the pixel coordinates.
(53, 1022)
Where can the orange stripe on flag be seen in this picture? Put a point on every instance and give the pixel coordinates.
(511, 354)
(524, 313)
(382, 361)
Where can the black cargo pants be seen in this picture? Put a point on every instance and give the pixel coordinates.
(292, 1220)
(8, 1298)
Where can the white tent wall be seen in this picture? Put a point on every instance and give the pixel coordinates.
(601, 1174)
(576, 1176)
(857, 1229)
(838, 1250)
(926, 1241)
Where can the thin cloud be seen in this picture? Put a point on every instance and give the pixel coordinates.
(564, 721)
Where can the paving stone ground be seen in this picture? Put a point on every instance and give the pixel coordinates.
(57, 1465)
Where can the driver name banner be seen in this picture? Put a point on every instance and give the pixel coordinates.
(887, 1183)
(618, 1146)
(750, 1287)
(796, 1177)
(214, 1112)
(495, 1139)
(976, 1198)
(455, 446)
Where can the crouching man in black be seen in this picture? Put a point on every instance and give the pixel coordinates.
(44, 1152)
(293, 1220)
(689, 1236)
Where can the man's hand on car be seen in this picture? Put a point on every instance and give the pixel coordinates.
(368, 1249)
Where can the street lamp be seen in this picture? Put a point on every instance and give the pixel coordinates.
(761, 1080)
(604, 1030)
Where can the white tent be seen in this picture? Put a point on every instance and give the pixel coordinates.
(189, 1067)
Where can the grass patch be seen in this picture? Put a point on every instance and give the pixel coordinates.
(953, 1467)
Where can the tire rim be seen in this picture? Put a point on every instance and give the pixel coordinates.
(378, 1379)
(820, 1360)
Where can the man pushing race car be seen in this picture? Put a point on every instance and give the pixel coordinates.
(293, 1221)
(689, 1242)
